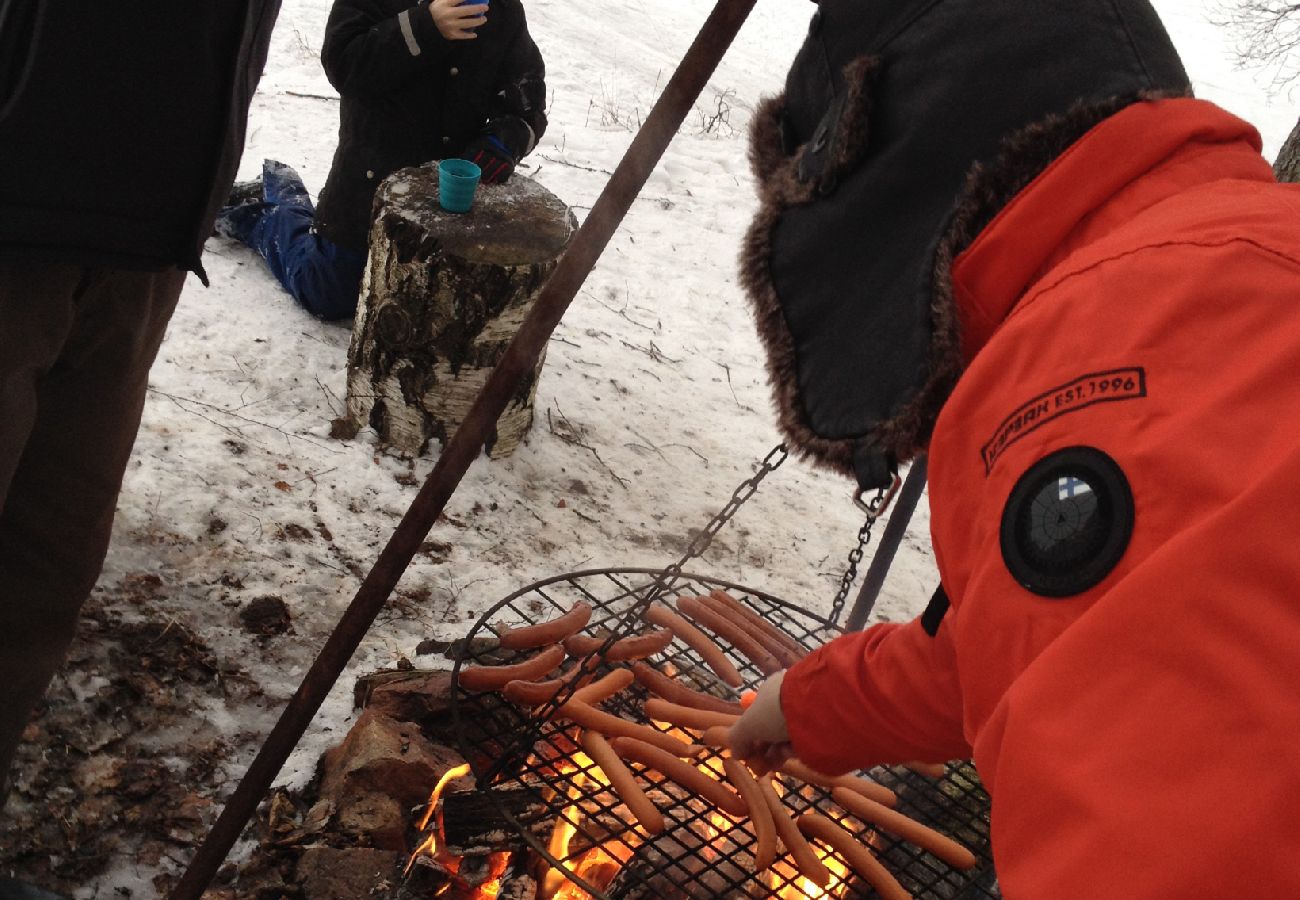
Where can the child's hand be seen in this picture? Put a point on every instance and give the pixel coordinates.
(456, 20)
(759, 736)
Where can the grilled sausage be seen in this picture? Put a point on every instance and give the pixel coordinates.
(674, 691)
(759, 813)
(855, 853)
(731, 632)
(639, 646)
(492, 678)
(864, 786)
(697, 640)
(805, 859)
(605, 687)
(623, 782)
(942, 846)
(684, 773)
(781, 645)
(552, 632)
(685, 716)
(613, 726)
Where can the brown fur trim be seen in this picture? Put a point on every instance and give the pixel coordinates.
(988, 189)
(851, 135)
(779, 188)
(765, 150)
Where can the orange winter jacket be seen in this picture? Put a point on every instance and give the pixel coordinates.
(1140, 739)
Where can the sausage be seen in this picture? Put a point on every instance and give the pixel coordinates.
(759, 813)
(697, 640)
(781, 645)
(942, 846)
(864, 786)
(674, 691)
(605, 687)
(492, 678)
(855, 853)
(552, 632)
(686, 716)
(638, 646)
(729, 631)
(718, 737)
(805, 859)
(611, 726)
(929, 770)
(684, 773)
(536, 693)
(623, 782)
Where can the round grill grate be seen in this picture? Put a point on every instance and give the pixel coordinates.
(703, 853)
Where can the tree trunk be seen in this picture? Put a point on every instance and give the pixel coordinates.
(442, 298)
(1287, 167)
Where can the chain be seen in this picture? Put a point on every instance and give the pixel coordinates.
(874, 509)
(746, 489)
(512, 757)
(704, 537)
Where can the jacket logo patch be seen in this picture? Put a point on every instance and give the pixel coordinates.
(1084, 391)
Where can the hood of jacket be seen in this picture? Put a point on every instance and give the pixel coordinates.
(893, 118)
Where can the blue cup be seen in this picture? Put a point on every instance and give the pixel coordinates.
(457, 181)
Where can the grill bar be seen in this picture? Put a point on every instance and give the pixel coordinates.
(704, 853)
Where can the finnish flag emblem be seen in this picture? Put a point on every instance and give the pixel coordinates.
(1068, 487)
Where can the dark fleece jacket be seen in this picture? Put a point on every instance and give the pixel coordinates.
(410, 96)
(122, 124)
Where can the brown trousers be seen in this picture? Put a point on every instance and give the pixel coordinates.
(76, 344)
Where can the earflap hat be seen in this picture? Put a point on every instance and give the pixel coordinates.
(893, 112)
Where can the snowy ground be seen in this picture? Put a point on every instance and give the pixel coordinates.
(652, 407)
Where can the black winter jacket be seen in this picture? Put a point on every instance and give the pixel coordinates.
(410, 96)
(122, 124)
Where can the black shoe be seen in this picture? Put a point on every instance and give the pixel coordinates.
(13, 889)
(245, 192)
(235, 223)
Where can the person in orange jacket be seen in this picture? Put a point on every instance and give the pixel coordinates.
(1004, 235)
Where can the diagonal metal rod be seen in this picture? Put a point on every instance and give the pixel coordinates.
(647, 147)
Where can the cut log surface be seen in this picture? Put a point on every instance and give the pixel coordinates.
(442, 297)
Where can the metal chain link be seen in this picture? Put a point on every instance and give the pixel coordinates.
(511, 758)
(704, 537)
(874, 509)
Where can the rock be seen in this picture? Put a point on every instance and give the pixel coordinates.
(383, 755)
(328, 873)
(407, 696)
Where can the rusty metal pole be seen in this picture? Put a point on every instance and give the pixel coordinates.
(647, 147)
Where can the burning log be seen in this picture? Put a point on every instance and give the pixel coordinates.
(476, 821)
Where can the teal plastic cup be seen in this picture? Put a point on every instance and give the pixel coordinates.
(457, 181)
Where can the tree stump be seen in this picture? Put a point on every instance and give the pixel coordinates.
(442, 297)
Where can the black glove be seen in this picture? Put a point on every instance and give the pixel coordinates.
(490, 154)
(497, 151)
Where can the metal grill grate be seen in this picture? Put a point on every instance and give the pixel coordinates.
(703, 853)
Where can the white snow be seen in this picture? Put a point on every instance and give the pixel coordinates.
(655, 367)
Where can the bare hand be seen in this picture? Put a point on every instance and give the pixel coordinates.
(760, 736)
(456, 21)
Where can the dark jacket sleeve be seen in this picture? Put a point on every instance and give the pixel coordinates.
(520, 98)
(370, 51)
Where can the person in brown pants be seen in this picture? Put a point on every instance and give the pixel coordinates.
(105, 204)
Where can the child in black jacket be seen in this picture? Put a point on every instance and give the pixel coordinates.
(418, 83)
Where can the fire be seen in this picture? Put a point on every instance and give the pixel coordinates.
(489, 885)
(596, 866)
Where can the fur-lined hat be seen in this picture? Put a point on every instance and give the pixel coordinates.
(905, 125)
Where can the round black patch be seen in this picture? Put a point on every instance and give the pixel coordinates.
(1067, 522)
